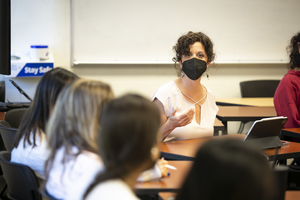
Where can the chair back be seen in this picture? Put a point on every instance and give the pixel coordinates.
(294, 177)
(258, 88)
(14, 117)
(46, 195)
(281, 176)
(21, 180)
(5, 124)
(8, 137)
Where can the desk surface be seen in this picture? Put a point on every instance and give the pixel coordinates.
(189, 147)
(289, 195)
(218, 124)
(244, 113)
(265, 102)
(289, 133)
(168, 184)
(294, 130)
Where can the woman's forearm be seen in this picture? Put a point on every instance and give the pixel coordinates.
(165, 130)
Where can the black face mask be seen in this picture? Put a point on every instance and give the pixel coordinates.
(194, 68)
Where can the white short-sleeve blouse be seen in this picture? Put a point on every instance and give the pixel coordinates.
(171, 97)
(33, 157)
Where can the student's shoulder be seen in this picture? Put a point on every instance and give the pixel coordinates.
(89, 159)
(291, 76)
(104, 191)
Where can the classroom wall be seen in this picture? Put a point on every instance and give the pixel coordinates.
(145, 79)
(38, 22)
(48, 22)
(144, 31)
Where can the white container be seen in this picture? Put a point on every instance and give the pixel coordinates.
(39, 52)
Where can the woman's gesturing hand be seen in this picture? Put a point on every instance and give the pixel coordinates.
(181, 120)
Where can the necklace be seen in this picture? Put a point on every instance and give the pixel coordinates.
(195, 102)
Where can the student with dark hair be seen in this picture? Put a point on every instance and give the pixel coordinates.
(188, 109)
(286, 98)
(128, 145)
(30, 145)
(228, 169)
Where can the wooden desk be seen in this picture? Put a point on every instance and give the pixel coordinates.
(189, 148)
(167, 195)
(168, 184)
(288, 133)
(292, 195)
(243, 113)
(289, 195)
(218, 126)
(264, 102)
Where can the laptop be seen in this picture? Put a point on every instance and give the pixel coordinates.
(263, 134)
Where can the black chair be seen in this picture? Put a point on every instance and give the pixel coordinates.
(14, 117)
(45, 194)
(21, 180)
(294, 178)
(281, 173)
(5, 124)
(257, 88)
(8, 136)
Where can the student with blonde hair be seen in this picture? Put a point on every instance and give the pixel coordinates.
(71, 134)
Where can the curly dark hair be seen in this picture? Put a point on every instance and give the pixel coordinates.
(293, 51)
(182, 47)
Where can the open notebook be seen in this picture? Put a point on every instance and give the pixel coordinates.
(264, 133)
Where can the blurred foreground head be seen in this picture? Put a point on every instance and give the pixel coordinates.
(228, 169)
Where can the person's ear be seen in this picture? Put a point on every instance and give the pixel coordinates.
(180, 63)
(207, 65)
(154, 153)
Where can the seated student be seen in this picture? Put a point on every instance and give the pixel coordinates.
(73, 126)
(71, 133)
(29, 145)
(228, 169)
(286, 98)
(127, 145)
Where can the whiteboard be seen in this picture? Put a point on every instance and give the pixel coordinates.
(144, 31)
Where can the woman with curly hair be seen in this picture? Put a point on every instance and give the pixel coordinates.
(188, 108)
(286, 98)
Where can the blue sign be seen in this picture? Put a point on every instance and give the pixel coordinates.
(35, 69)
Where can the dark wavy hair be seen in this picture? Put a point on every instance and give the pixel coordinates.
(182, 47)
(47, 91)
(293, 51)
